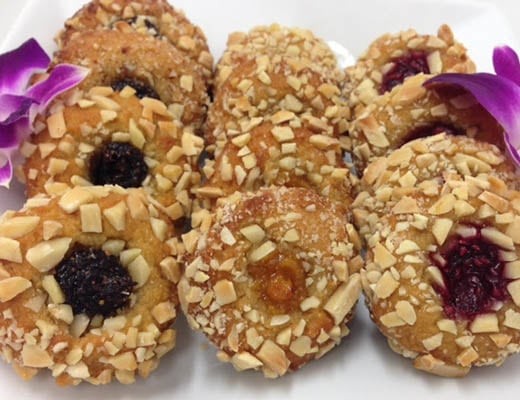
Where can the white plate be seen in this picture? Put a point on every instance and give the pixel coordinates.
(363, 366)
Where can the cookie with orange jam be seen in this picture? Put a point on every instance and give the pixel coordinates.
(87, 286)
(411, 111)
(393, 58)
(273, 279)
(441, 221)
(106, 137)
(155, 18)
(152, 67)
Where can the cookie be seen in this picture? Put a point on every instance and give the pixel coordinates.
(151, 17)
(152, 67)
(392, 58)
(411, 111)
(106, 137)
(273, 279)
(88, 286)
(441, 224)
(287, 154)
(276, 41)
(258, 88)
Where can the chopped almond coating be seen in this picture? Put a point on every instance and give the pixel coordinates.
(169, 152)
(46, 320)
(297, 293)
(441, 52)
(389, 121)
(441, 275)
(153, 18)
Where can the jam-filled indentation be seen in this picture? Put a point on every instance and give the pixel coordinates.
(118, 164)
(93, 282)
(410, 64)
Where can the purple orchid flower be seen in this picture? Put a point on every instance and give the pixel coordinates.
(20, 103)
(499, 94)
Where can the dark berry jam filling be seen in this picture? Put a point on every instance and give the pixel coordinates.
(142, 90)
(94, 282)
(403, 67)
(118, 164)
(473, 275)
(432, 130)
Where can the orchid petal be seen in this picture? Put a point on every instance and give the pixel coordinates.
(62, 78)
(14, 107)
(498, 95)
(6, 171)
(14, 130)
(506, 63)
(512, 150)
(17, 66)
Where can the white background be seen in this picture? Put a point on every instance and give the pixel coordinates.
(363, 367)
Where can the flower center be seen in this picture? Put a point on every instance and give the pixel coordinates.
(142, 90)
(94, 282)
(118, 164)
(403, 67)
(473, 274)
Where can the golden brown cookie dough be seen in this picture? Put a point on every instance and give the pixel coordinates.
(156, 18)
(287, 154)
(441, 221)
(263, 86)
(73, 328)
(153, 150)
(394, 56)
(276, 41)
(411, 111)
(273, 279)
(114, 56)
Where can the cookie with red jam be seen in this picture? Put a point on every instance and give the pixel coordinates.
(411, 111)
(392, 58)
(441, 218)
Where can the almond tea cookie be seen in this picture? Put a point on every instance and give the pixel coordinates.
(104, 137)
(392, 58)
(153, 68)
(155, 18)
(87, 286)
(441, 221)
(260, 87)
(274, 41)
(273, 279)
(411, 111)
(287, 154)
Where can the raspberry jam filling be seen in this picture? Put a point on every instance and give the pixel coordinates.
(142, 90)
(432, 130)
(118, 164)
(403, 67)
(94, 282)
(473, 275)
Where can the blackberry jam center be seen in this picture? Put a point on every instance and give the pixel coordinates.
(142, 90)
(118, 164)
(473, 276)
(94, 282)
(410, 64)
